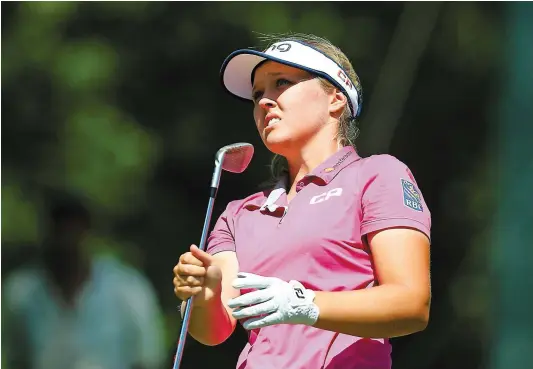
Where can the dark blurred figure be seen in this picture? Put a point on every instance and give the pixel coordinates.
(64, 258)
(75, 310)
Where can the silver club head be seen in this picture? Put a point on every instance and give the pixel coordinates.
(236, 157)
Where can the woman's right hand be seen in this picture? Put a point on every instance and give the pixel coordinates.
(195, 275)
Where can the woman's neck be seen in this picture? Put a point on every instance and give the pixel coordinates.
(307, 159)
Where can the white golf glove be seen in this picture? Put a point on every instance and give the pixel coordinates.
(274, 302)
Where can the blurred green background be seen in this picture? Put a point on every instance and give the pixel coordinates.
(121, 104)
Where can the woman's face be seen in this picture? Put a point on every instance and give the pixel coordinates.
(290, 106)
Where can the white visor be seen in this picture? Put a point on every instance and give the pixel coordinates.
(238, 68)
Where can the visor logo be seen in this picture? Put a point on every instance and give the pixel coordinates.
(344, 79)
(284, 47)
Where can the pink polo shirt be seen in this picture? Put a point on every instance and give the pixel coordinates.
(318, 239)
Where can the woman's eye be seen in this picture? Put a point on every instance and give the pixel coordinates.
(256, 95)
(282, 81)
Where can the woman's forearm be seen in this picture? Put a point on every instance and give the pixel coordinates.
(210, 324)
(380, 312)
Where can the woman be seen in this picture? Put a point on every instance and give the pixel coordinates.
(333, 260)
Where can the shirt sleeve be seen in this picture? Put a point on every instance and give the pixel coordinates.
(390, 197)
(222, 237)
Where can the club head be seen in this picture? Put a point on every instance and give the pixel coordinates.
(235, 158)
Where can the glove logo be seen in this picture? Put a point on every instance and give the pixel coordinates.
(299, 293)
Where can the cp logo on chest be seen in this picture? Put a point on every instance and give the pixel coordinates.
(325, 196)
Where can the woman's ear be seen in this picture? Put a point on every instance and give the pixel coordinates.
(337, 103)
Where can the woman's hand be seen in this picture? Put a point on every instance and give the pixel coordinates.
(196, 275)
(274, 302)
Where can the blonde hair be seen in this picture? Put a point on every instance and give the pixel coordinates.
(348, 130)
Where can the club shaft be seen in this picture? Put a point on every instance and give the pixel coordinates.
(188, 304)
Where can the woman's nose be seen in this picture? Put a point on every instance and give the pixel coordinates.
(267, 103)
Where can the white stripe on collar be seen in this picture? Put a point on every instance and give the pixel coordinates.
(276, 193)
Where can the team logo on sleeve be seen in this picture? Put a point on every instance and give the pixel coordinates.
(411, 196)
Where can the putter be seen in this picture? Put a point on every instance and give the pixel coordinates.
(232, 158)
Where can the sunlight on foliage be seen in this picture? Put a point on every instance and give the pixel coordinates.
(321, 21)
(126, 9)
(34, 46)
(268, 17)
(19, 216)
(86, 65)
(108, 156)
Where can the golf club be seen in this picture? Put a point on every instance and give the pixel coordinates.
(231, 158)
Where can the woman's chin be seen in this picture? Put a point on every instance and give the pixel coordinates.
(278, 144)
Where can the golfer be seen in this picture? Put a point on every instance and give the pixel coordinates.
(331, 261)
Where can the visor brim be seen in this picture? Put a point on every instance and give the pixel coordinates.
(237, 69)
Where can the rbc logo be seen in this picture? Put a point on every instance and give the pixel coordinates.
(413, 204)
(326, 196)
(411, 197)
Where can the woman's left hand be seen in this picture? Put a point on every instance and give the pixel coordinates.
(274, 302)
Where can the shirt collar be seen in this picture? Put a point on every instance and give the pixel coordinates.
(325, 171)
(335, 163)
(278, 191)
